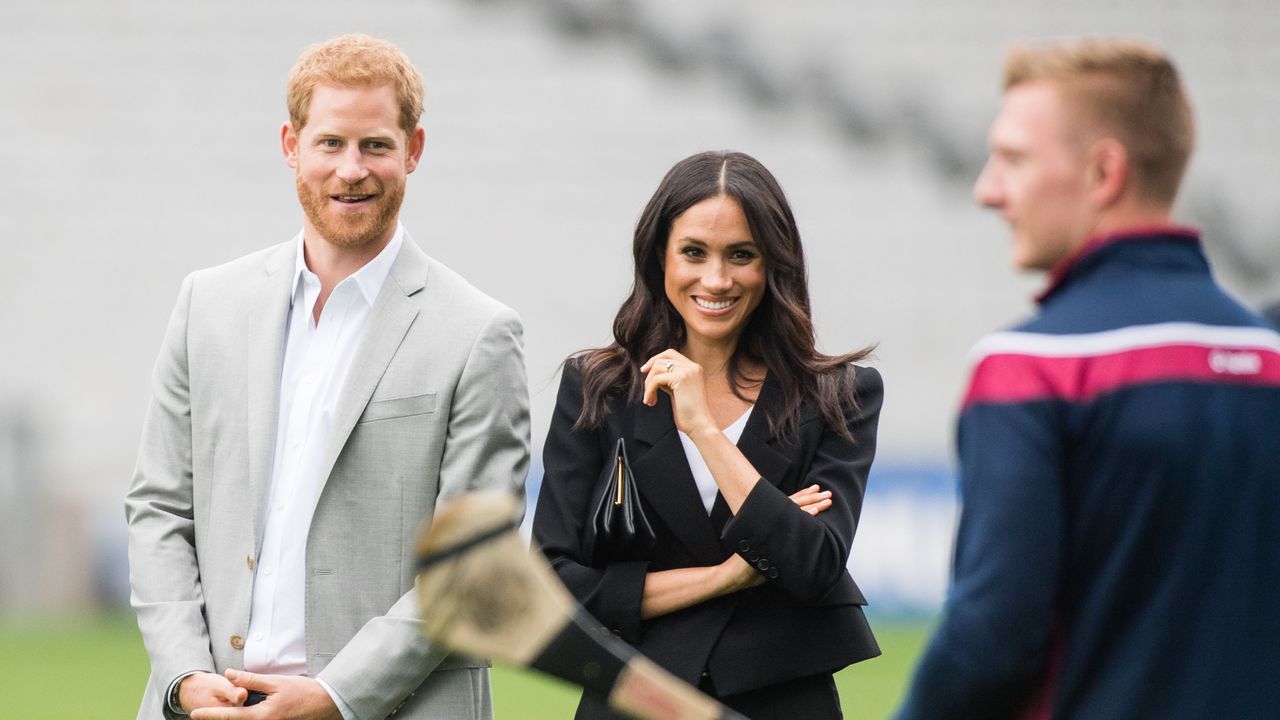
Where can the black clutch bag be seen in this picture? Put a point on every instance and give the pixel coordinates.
(620, 529)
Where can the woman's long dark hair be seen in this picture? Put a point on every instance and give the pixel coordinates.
(778, 334)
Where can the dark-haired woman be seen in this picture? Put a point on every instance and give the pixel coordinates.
(749, 451)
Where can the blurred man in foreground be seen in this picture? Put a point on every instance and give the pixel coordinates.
(1119, 544)
(311, 403)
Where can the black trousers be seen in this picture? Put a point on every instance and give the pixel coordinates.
(811, 698)
(807, 698)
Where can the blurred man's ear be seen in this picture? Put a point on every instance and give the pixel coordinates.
(1108, 171)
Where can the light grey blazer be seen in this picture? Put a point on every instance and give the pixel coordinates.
(436, 404)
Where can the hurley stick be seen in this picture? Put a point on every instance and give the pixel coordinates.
(482, 592)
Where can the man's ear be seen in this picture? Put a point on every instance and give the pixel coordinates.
(289, 144)
(416, 142)
(1108, 171)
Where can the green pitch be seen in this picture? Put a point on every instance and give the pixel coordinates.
(95, 667)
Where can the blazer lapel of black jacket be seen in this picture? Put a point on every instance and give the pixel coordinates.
(662, 475)
(757, 445)
(758, 448)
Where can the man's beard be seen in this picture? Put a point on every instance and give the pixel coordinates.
(352, 229)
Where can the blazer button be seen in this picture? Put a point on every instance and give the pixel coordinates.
(772, 573)
(753, 556)
(743, 545)
(763, 564)
(248, 560)
(237, 642)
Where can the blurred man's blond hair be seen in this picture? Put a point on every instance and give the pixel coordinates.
(1123, 88)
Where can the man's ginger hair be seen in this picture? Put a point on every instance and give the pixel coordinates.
(355, 61)
(1123, 88)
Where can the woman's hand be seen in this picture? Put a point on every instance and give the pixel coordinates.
(812, 499)
(683, 379)
(670, 590)
(737, 574)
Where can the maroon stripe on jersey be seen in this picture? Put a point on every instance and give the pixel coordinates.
(1019, 377)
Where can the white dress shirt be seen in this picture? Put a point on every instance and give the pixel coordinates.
(707, 487)
(317, 359)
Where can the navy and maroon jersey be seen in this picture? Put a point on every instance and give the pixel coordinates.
(1118, 554)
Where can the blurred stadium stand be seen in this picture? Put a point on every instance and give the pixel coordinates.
(143, 145)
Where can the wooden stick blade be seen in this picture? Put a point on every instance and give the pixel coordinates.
(482, 592)
(496, 598)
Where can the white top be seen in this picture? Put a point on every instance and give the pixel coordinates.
(701, 473)
(317, 358)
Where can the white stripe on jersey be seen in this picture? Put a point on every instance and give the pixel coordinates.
(1126, 338)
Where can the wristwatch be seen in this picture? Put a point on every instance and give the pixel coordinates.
(174, 705)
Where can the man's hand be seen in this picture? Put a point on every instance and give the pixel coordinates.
(209, 690)
(289, 697)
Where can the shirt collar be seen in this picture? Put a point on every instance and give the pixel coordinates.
(1058, 275)
(368, 278)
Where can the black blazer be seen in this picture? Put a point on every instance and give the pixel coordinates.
(806, 619)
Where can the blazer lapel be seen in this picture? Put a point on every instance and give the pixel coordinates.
(389, 319)
(662, 475)
(268, 317)
(756, 444)
(758, 448)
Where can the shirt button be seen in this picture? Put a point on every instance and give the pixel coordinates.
(279, 507)
(257, 637)
(237, 642)
(295, 442)
(266, 569)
